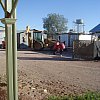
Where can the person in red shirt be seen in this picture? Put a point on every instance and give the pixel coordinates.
(58, 48)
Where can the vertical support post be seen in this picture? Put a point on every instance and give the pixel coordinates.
(11, 49)
(14, 46)
(11, 58)
(9, 61)
(9, 54)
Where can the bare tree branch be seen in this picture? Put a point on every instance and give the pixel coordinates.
(3, 6)
(14, 6)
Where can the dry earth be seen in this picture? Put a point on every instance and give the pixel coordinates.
(41, 74)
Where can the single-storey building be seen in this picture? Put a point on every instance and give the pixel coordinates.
(95, 32)
(68, 38)
(2, 36)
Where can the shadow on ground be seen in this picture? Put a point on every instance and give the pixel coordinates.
(67, 55)
(55, 58)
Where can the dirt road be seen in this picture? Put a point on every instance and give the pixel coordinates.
(41, 74)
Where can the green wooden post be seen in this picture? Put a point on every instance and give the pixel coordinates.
(9, 57)
(14, 46)
(11, 48)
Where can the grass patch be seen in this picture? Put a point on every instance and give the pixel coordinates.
(85, 96)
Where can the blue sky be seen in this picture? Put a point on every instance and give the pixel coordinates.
(31, 12)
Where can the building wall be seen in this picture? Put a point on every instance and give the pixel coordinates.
(95, 36)
(85, 37)
(24, 40)
(2, 35)
(68, 38)
(64, 37)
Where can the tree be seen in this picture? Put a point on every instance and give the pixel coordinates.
(55, 23)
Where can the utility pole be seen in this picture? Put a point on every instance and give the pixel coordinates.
(9, 7)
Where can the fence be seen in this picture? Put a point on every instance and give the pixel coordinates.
(86, 49)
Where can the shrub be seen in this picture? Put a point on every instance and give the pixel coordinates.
(86, 96)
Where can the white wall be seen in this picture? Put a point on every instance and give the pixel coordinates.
(85, 37)
(2, 36)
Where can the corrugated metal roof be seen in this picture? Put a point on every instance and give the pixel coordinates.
(96, 29)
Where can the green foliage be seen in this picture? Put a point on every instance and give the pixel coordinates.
(58, 98)
(55, 23)
(86, 96)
